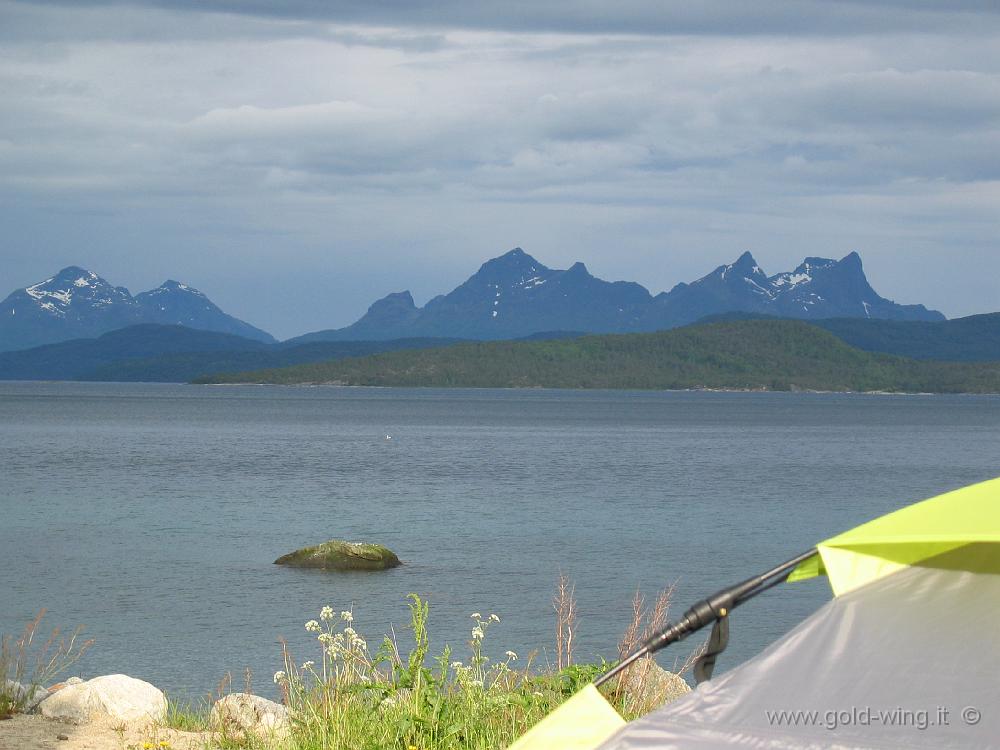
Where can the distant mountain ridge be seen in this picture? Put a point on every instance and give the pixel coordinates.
(77, 303)
(514, 295)
(175, 354)
(157, 353)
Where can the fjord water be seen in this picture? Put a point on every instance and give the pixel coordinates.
(151, 514)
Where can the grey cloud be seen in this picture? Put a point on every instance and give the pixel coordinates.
(190, 144)
(626, 16)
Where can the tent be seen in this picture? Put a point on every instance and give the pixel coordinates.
(906, 654)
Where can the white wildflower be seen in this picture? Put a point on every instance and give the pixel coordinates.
(512, 656)
(326, 613)
(475, 616)
(477, 633)
(456, 665)
(308, 665)
(280, 677)
(350, 632)
(325, 638)
(347, 616)
(312, 626)
(360, 644)
(476, 683)
(494, 618)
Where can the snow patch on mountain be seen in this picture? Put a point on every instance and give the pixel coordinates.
(76, 303)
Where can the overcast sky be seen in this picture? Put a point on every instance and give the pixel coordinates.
(296, 160)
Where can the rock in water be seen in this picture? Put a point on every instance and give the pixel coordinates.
(238, 714)
(114, 697)
(340, 555)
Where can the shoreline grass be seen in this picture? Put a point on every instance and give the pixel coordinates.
(357, 697)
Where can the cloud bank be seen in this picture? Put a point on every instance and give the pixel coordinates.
(296, 160)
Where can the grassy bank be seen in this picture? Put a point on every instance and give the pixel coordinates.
(358, 696)
(352, 695)
(750, 354)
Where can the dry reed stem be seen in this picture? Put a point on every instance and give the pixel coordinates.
(636, 681)
(564, 604)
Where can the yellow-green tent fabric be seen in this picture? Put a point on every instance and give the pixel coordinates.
(910, 638)
(945, 531)
(581, 723)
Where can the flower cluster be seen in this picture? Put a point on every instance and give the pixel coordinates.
(346, 661)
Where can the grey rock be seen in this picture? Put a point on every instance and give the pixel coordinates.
(648, 685)
(27, 696)
(115, 697)
(238, 714)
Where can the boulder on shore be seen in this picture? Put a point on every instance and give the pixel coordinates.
(648, 685)
(27, 697)
(238, 714)
(115, 697)
(337, 554)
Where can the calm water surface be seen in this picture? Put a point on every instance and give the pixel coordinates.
(151, 514)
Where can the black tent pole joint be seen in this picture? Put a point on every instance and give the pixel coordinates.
(708, 611)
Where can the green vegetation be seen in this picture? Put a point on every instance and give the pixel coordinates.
(354, 697)
(26, 664)
(975, 338)
(187, 716)
(776, 355)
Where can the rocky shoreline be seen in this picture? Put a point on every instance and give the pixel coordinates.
(118, 711)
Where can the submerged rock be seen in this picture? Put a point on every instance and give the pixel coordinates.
(112, 697)
(337, 554)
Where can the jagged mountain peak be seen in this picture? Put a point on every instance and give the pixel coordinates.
(509, 265)
(514, 295)
(77, 303)
(403, 297)
(852, 259)
(70, 289)
(74, 273)
(172, 287)
(393, 304)
(70, 277)
(802, 274)
(744, 267)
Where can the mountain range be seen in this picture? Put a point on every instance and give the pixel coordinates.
(514, 296)
(76, 303)
(511, 296)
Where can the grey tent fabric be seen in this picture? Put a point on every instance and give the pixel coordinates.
(909, 661)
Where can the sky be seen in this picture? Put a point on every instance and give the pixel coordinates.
(297, 160)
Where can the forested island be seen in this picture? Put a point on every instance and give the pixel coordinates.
(778, 355)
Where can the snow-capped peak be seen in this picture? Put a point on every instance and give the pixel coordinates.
(173, 286)
(803, 274)
(57, 293)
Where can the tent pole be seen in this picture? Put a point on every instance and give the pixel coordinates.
(707, 611)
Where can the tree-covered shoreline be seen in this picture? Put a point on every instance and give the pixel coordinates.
(774, 355)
